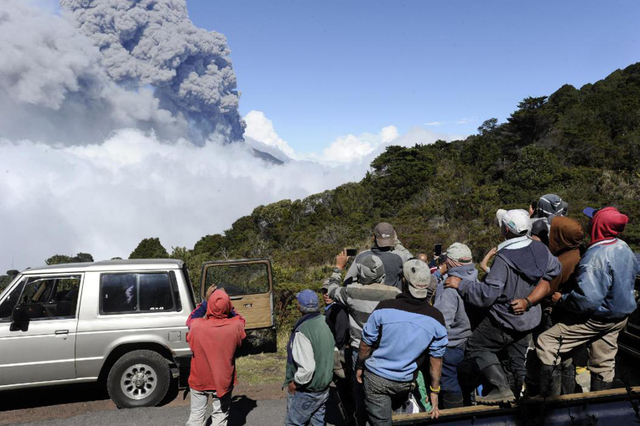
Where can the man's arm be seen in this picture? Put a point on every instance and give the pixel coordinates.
(302, 352)
(363, 354)
(334, 283)
(401, 250)
(435, 371)
(539, 292)
(482, 294)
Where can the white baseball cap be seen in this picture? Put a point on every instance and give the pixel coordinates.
(517, 221)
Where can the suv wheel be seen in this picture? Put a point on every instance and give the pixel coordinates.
(139, 379)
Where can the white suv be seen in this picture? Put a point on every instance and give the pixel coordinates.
(118, 321)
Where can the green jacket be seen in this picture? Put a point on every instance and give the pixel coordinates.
(315, 346)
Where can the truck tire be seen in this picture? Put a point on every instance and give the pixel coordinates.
(139, 379)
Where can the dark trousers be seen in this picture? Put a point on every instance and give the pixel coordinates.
(489, 338)
(452, 358)
(358, 391)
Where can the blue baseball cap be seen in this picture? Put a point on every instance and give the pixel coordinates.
(308, 298)
(590, 211)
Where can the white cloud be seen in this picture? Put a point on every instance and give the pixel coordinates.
(458, 121)
(346, 149)
(389, 133)
(105, 198)
(261, 129)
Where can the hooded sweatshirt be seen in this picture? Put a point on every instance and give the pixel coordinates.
(564, 243)
(449, 302)
(518, 267)
(607, 223)
(213, 340)
(606, 274)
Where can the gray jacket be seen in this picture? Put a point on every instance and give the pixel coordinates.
(449, 302)
(518, 267)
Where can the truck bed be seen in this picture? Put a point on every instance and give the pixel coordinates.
(609, 407)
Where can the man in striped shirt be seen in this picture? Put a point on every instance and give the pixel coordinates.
(361, 298)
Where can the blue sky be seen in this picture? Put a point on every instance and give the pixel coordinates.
(321, 69)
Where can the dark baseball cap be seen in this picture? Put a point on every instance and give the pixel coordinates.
(385, 235)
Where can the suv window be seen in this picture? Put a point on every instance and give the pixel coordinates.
(10, 302)
(239, 279)
(137, 292)
(45, 297)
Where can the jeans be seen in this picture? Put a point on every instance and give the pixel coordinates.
(380, 395)
(452, 358)
(306, 408)
(489, 338)
(219, 413)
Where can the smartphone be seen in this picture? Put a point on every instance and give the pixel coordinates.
(437, 250)
(351, 252)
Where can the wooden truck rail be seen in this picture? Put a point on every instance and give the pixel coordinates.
(609, 407)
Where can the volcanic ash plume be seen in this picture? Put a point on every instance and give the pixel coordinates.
(153, 43)
(54, 89)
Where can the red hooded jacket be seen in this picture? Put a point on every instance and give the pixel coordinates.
(213, 341)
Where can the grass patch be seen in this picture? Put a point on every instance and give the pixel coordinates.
(266, 368)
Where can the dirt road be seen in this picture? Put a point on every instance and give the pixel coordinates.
(83, 404)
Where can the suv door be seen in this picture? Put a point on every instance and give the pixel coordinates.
(249, 284)
(42, 349)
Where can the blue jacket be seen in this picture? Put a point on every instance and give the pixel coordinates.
(403, 331)
(605, 280)
(449, 302)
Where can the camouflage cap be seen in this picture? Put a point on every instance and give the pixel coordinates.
(418, 276)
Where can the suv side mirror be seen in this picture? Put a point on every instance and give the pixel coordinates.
(20, 319)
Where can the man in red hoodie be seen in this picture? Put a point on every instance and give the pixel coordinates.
(213, 339)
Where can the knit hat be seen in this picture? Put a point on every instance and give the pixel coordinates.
(459, 252)
(550, 205)
(370, 270)
(307, 299)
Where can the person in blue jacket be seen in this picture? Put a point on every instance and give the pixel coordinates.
(602, 301)
(396, 340)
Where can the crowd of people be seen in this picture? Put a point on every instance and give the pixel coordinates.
(399, 332)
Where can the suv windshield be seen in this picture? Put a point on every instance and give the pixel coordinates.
(247, 278)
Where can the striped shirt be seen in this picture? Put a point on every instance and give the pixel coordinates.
(360, 299)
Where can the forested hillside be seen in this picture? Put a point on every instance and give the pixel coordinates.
(582, 144)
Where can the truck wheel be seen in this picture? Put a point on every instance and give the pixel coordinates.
(139, 379)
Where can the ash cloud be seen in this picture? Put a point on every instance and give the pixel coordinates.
(53, 87)
(153, 42)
